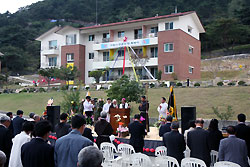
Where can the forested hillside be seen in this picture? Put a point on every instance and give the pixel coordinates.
(227, 23)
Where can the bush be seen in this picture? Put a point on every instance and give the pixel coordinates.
(42, 90)
(179, 84)
(224, 115)
(64, 87)
(241, 83)
(32, 90)
(231, 83)
(197, 84)
(220, 83)
(55, 89)
(23, 91)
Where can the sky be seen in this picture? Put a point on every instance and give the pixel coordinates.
(13, 5)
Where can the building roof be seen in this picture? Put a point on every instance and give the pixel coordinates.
(52, 30)
(139, 20)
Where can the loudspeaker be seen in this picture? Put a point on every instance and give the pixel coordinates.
(53, 113)
(188, 113)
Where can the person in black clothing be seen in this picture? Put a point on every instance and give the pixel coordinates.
(243, 131)
(175, 143)
(137, 131)
(103, 129)
(143, 108)
(166, 128)
(18, 122)
(37, 152)
(88, 134)
(62, 128)
(5, 137)
(11, 128)
(198, 142)
(215, 135)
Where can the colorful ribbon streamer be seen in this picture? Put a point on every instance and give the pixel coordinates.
(136, 77)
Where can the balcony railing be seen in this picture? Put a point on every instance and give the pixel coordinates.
(104, 40)
(47, 65)
(138, 36)
(50, 48)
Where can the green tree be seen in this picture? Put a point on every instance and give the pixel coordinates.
(97, 75)
(223, 115)
(126, 88)
(47, 73)
(71, 101)
(67, 74)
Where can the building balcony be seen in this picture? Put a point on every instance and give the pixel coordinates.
(132, 43)
(47, 65)
(119, 64)
(50, 50)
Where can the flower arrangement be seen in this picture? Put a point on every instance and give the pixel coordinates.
(160, 122)
(122, 130)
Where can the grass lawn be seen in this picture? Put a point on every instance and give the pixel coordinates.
(203, 98)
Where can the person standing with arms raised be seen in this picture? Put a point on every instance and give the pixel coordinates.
(144, 107)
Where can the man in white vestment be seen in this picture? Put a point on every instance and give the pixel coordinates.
(163, 108)
(106, 109)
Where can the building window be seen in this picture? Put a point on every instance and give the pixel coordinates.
(138, 34)
(154, 30)
(120, 72)
(120, 53)
(91, 37)
(121, 34)
(53, 44)
(91, 55)
(168, 47)
(105, 56)
(70, 57)
(169, 26)
(190, 69)
(52, 61)
(138, 51)
(106, 37)
(71, 39)
(154, 72)
(169, 69)
(191, 49)
(154, 52)
(190, 29)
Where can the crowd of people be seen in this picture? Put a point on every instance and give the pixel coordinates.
(25, 142)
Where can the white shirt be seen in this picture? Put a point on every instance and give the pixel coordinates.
(15, 156)
(106, 109)
(88, 106)
(162, 110)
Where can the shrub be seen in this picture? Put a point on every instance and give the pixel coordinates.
(42, 90)
(231, 83)
(241, 83)
(174, 76)
(197, 84)
(32, 90)
(220, 83)
(224, 115)
(23, 91)
(55, 89)
(179, 84)
(64, 87)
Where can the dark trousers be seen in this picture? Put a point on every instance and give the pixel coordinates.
(146, 121)
(138, 149)
(89, 115)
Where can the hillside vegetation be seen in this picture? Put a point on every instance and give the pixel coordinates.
(227, 23)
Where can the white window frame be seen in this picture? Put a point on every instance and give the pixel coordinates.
(92, 37)
(191, 68)
(106, 55)
(91, 55)
(191, 48)
(121, 34)
(168, 47)
(121, 53)
(72, 37)
(190, 29)
(53, 46)
(169, 25)
(53, 63)
(119, 72)
(69, 57)
(154, 54)
(168, 66)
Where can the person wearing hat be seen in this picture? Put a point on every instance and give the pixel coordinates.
(124, 104)
(5, 137)
(106, 108)
(88, 107)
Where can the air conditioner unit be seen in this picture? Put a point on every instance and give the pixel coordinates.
(151, 35)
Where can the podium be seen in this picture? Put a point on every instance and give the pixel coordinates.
(121, 112)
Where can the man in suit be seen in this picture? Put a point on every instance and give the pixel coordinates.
(5, 137)
(68, 146)
(243, 131)
(137, 131)
(198, 142)
(62, 128)
(18, 122)
(233, 149)
(88, 134)
(175, 143)
(166, 128)
(11, 129)
(38, 152)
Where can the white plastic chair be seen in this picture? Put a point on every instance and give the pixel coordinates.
(192, 162)
(141, 160)
(166, 161)
(126, 150)
(108, 150)
(161, 151)
(248, 161)
(95, 145)
(225, 164)
(214, 157)
(187, 152)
